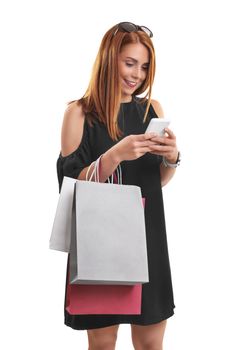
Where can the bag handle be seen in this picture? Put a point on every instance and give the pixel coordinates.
(96, 172)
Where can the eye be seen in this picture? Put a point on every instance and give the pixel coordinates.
(129, 64)
(145, 67)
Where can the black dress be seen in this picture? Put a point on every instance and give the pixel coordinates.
(157, 294)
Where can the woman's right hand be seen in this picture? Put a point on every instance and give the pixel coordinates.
(133, 146)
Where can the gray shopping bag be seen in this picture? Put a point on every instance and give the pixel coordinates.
(108, 238)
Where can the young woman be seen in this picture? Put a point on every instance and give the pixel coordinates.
(110, 120)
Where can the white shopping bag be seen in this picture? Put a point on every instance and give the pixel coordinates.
(61, 231)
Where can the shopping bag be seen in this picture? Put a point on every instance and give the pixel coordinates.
(61, 230)
(103, 299)
(108, 238)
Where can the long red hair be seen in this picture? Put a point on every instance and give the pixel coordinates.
(103, 96)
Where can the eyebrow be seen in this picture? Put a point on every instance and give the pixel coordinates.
(136, 61)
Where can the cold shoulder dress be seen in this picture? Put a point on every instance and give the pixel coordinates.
(157, 294)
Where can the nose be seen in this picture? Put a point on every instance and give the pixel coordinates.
(137, 73)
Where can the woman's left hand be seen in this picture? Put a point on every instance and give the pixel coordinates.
(165, 146)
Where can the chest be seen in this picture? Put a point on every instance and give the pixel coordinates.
(130, 122)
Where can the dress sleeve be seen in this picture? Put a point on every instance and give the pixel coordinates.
(72, 164)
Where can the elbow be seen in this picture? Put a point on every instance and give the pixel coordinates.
(164, 182)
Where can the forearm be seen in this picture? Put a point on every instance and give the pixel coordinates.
(109, 162)
(166, 174)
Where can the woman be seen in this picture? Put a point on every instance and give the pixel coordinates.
(110, 119)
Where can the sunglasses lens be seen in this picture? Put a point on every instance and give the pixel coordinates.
(147, 31)
(128, 27)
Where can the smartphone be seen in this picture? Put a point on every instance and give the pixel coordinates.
(158, 125)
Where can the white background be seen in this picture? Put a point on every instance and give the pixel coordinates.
(47, 52)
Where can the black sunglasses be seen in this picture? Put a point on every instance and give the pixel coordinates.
(131, 27)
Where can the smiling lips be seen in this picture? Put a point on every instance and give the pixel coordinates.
(131, 84)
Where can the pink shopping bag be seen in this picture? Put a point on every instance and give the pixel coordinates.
(103, 299)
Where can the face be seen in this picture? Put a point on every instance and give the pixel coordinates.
(133, 62)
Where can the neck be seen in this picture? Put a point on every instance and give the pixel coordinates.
(126, 99)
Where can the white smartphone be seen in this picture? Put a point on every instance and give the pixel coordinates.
(158, 125)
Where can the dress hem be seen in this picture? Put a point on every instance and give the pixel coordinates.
(140, 323)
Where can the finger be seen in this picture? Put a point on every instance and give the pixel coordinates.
(143, 150)
(170, 133)
(146, 136)
(146, 143)
(164, 141)
(160, 153)
(162, 148)
(155, 139)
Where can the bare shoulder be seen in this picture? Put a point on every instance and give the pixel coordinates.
(157, 108)
(72, 128)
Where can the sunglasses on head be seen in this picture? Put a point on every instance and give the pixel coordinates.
(131, 27)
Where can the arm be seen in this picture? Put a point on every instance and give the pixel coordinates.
(166, 147)
(129, 148)
(71, 136)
